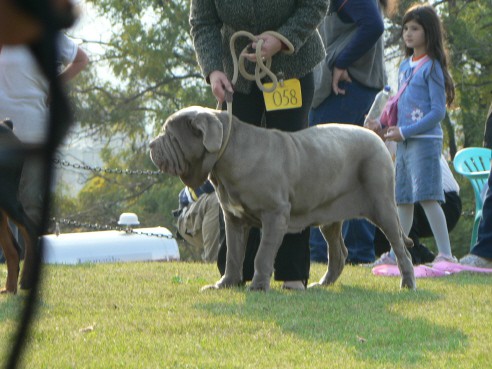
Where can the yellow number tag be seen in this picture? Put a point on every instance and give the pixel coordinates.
(287, 96)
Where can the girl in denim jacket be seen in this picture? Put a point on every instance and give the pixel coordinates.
(418, 134)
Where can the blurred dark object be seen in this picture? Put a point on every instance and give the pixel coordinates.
(11, 162)
(37, 22)
(487, 137)
(22, 21)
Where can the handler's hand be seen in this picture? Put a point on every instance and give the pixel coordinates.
(338, 76)
(393, 134)
(220, 84)
(271, 46)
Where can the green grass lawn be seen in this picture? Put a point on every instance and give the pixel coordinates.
(153, 315)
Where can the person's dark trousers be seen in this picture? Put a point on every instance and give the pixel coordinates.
(356, 233)
(421, 229)
(350, 108)
(483, 246)
(292, 262)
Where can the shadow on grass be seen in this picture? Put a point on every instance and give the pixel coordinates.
(11, 306)
(468, 278)
(362, 320)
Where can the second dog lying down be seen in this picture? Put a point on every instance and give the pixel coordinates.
(284, 182)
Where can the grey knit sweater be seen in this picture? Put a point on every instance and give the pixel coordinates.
(213, 22)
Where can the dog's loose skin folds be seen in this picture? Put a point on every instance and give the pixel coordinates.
(284, 182)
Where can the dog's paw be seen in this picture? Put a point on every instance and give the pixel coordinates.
(408, 283)
(222, 283)
(314, 285)
(209, 287)
(257, 288)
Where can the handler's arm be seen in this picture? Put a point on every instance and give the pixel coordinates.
(303, 22)
(76, 66)
(205, 32)
(370, 28)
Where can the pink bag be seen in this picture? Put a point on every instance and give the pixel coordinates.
(389, 115)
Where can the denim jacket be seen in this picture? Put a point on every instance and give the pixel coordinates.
(422, 105)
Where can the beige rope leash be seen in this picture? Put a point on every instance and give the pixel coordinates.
(261, 70)
(229, 114)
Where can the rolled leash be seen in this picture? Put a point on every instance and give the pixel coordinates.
(228, 100)
(261, 70)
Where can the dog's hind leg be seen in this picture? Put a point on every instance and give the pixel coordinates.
(388, 221)
(379, 190)
(12, 255)
(337, 253)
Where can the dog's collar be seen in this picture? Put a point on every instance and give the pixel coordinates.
(228, 136)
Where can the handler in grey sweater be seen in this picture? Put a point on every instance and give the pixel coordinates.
(213, 22)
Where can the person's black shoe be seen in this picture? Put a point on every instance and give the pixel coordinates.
(421, 254)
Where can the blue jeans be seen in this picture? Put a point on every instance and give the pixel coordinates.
(483, 247)
(350, 108)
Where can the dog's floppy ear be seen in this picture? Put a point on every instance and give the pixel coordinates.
(211, 128)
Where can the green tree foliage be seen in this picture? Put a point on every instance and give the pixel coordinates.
(152, 63)
(469, 25)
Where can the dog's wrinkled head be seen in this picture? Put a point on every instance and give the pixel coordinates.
(188, 144)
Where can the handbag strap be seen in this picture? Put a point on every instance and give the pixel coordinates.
(419, 65)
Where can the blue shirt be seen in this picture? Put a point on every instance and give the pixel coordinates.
(422, 105)
(370, 26)
(188, 195)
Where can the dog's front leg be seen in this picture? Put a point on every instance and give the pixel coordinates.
(274, 227)
(236, 236)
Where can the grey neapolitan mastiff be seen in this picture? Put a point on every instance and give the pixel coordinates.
(284, 182)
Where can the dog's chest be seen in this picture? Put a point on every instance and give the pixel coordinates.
(231, 203)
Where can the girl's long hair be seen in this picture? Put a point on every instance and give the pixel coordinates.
(426, 16)
(390, 7)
